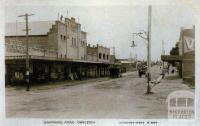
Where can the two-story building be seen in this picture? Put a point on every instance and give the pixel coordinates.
(57, 50)
(103, 53)
(98, 54)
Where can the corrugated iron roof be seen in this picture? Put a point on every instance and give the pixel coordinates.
(171, 58)
(37, 28)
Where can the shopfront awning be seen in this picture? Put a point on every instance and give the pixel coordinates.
(175, 58)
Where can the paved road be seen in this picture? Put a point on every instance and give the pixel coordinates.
(111, 98)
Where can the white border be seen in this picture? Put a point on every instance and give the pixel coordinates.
(194, 4)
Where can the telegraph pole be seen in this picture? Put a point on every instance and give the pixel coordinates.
(136, 57)
(148, 39)
(163, 53)
(27, 46)
(113, 50)
(163, 50)
(16, 28)
(149, 50)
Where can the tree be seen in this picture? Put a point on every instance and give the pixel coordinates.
(175, 50)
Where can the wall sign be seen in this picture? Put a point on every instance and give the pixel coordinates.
(189, 44)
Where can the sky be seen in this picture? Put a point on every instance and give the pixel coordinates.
(113, 25)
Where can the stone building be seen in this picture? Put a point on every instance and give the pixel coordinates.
(15, 38)
(92, 53)
(103, 54)
(83, 46)
(64, 37)
(57, 50)
(98, 53)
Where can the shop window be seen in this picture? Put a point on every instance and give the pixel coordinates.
(83, 43)
(72, 41)
(99, 55)
(104, 56)
(19, 75)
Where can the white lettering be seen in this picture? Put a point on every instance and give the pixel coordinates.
(189, 42)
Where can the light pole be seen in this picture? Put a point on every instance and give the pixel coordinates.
(148, 39)
(149, 50)
(27, 46)
(132, 46)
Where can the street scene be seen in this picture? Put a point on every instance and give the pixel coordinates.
(100, 98)
(100, 62)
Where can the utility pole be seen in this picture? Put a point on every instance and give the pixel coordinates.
(148, 39)
(58, 16)
(135, 57)
(163, 53)
(131, 58)
(77, 42)
(163, 50)
(67, 13)
(113, 51)
(27, 46)
(149, 51)
(16, 28)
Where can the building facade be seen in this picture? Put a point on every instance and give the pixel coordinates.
(103, 54)
(92, 53)
(185, 58)
(57, 50)
(187, 52)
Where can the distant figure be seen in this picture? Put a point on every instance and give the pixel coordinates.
(168, 66)
(172, 71)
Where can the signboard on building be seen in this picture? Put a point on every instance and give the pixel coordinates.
(189, 44)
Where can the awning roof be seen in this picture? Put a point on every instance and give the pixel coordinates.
(171, 58)
(33, 57)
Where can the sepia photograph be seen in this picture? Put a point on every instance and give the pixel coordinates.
(98, 61)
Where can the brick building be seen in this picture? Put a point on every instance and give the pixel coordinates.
(57, 50)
